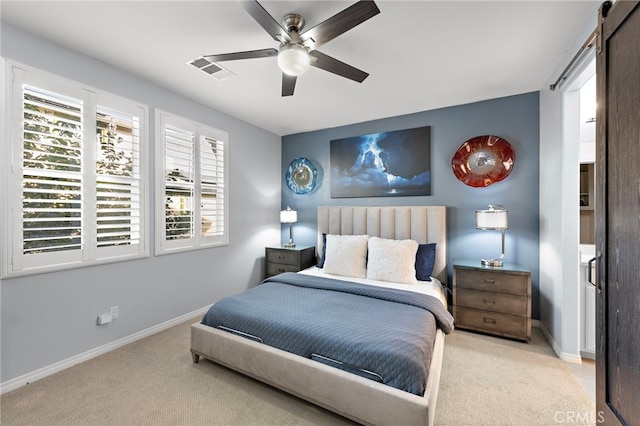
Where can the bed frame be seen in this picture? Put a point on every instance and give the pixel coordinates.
(349, 395)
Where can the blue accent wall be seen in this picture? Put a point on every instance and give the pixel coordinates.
(514, 118)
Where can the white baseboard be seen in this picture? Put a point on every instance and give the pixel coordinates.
(574, 358)
(41, 373)
(588, 355)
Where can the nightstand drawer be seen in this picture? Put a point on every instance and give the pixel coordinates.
(493, 322)
(284, 257)
(292, 259)
(497, 302)
(493, 281)
(278, 268)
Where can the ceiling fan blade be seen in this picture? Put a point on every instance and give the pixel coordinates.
(250, 54)
(288, 84)
(339, 23)
(265, 20)
(335, 66)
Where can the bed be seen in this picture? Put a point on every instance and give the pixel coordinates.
(351, 395)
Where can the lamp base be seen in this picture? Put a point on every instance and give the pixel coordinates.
(289, 245)
(492, 262)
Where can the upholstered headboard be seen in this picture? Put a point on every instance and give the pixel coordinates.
(424, 224)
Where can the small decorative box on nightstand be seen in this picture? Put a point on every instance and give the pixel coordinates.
(494, 300)
(281, 259)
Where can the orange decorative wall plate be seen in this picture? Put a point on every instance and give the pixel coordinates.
(483, 161)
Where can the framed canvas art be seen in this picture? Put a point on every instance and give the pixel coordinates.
(389, 164)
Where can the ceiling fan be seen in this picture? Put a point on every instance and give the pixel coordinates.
(297, 51)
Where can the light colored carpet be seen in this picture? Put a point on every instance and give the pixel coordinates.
(492, 381)
(485, 381)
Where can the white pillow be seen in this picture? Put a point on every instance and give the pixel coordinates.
(392, 260)
(346, 255)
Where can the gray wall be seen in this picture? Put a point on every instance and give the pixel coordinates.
(514, 118)
(51, 317)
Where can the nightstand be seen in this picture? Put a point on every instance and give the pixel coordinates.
(493, 300)
(281, 259)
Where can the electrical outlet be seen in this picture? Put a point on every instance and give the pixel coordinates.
(104, 319)
(115, 310)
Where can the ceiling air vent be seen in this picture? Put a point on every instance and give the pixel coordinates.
(211, 68)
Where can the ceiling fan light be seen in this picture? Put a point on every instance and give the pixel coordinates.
(293, 59)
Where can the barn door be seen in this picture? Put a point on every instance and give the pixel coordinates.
(618, 215)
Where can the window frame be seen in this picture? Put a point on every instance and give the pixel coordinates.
(14, 261)
(197, 241)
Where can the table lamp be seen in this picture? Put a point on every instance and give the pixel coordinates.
(289, 216)
(493, 219)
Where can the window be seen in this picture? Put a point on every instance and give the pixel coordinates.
(76, 193)
(191, 185)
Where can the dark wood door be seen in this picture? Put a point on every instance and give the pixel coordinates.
(618, 215)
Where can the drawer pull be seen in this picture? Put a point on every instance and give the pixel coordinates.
(280, 257)
(489, 320)
(489, 301)
(280, 270)
(486, 281)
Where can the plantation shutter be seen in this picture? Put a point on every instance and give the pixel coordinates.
(75, 176)
(191, 185)
(118, 192)
(212, 186)
(52, 169)
(179, 183)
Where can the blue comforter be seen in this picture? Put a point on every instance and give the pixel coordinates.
(379, 333)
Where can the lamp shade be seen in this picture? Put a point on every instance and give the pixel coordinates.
(288, 215)
(293, 59)
(494, 218)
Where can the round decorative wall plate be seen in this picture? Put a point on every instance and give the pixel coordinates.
(483, 160)
(301, 176)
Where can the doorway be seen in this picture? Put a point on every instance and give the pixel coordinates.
(579, 111)
(587, 216)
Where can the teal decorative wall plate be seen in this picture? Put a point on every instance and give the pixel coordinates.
(301, 176)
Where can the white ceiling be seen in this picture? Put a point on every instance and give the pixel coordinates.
(420, 55)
